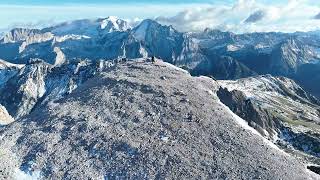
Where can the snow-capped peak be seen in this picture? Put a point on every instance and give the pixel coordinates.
(113, 23)
(89, 27)
(111, 19)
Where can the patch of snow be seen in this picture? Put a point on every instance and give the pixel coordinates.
(33, 88)
(112, 23)
(205, 78)
(20, 175)
(5, 64)
(164, 138)
(295, 49)
(173, 67)
(111, 19)
(240, 121)
(263, 48)
(60, 58)
(245, 125)
(143, 52)
(252, 85)
(234, 85)
(232, 47)
(260, 46)
(5, 117)
(60, 39)
(275, 138)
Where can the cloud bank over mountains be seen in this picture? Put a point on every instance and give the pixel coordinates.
(240, 16)
(250, 16)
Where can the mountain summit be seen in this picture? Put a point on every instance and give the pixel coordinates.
(81, 100)
(89, 27)
(145, 121)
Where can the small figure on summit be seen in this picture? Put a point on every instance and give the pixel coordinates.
(124, 60)
(153, 60)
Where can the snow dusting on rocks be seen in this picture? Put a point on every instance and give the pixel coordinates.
(129, 123)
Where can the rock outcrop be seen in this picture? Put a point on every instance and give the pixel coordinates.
(5, 117)
(279, 109)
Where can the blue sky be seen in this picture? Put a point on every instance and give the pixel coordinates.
(274, 15)
(37, 13)
(60, 2)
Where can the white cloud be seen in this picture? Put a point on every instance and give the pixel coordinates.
(33, 16)
(295, 15)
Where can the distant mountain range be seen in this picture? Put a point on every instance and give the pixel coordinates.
(270, 80)
(224, 55)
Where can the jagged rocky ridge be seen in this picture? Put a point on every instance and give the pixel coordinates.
(38, 82)
(279, 109)
(202, 53)
(145, 121)
(64, 66)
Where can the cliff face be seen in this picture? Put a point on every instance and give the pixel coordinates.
(279, 109)
(5, 117)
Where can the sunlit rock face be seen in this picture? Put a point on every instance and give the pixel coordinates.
(5, 117)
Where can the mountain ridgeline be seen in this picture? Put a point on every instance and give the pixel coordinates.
(139, 120)
(82, 100)
(223, 55)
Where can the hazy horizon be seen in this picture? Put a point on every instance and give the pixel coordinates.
(239, 16)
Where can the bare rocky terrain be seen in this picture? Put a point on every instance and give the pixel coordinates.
(279, 109)
(139, 120)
